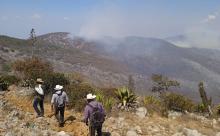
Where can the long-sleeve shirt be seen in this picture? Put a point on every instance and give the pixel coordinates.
(88, 109)
(63, 96)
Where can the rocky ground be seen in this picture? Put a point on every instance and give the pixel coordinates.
(17, 118)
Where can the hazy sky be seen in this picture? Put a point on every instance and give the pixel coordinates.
(119, 18)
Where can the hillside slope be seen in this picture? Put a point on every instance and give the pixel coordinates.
(109, 61)
(18, 118)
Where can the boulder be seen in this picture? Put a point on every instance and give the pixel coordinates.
(191, 132)
(141, 112)
(131, 133)
(174, 114)
(62, 133)
(138, 129)
(115, 134)
(178, 134)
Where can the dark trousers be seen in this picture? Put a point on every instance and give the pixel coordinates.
(59, 113)
(92, 130)
(40, 102)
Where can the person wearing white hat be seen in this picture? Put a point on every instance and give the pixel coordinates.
(94, 115)
(39, 98)
(58, 102)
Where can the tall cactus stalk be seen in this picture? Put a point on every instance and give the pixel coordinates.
(206, 102)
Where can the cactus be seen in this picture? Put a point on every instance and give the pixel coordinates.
(206, 102)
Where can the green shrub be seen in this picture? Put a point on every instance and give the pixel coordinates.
(216, 110)
(200, 108)
(77, 95)
(6, 67)
(99, 96)
(178, 102)
(7, 80)
(107, 101)
(126, 98)
(52, 79)
(152, 104)
(151, 100)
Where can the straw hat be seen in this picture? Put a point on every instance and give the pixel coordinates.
(39, 80)
(90, 96)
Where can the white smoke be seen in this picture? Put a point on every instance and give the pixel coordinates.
(104, 22)
(205, 34)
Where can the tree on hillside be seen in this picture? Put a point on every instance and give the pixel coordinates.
(33, 40)
(131, 84)
(162, 83)
(206, 102)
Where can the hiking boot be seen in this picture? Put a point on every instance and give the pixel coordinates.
(38, 116)
(61, 125)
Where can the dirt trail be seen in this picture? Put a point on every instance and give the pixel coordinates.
(24, 103)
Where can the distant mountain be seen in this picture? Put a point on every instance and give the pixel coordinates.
(109, 61)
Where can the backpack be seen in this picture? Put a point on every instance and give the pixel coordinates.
(60, 101)
(97, 117)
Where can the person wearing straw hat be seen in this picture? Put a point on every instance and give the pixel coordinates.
(58, 102)
(94, 115)
(39, 98)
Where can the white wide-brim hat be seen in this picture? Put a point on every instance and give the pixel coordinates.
(39, 80)
(90, 96)
(58, 87)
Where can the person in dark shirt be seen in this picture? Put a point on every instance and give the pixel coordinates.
(92, 104)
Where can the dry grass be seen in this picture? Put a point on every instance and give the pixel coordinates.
(25, 104)
(79, 128)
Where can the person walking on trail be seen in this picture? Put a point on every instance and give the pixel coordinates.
(94, 115)
(39, 98)
(58, 102)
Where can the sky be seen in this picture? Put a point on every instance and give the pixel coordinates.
(117, 18)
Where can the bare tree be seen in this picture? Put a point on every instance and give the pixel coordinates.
(33, 40)
(131, 83)
(162, 83)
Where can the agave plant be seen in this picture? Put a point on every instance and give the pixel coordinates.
(100, 97)
(126, 97)
(108, 104)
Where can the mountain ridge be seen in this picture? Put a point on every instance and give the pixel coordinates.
(110, 63)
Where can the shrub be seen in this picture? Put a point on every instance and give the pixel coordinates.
(126, 98)
(6, 67)
(77, 95)
(200, 108)
(216, 110)
(178, 102)
(152, 104)
(107, 101)
(32, 68)
(7, 80)
(52, 79)
(151, 100)
(76, 77)
(99, 96)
